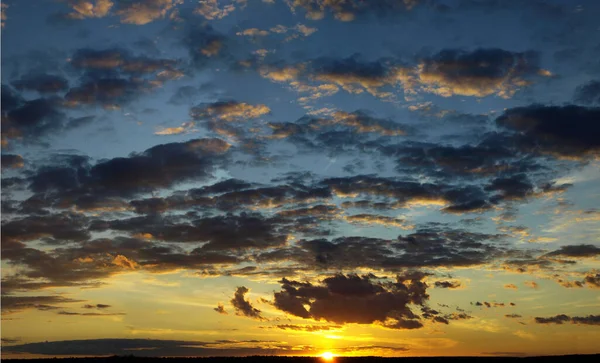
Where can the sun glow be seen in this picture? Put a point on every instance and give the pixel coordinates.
(327, 356)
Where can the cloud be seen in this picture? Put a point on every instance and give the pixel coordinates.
(62, 226)
(31, 120)
(114, 77)
(121, 60)
(161, 166)
(220, 233)
(143, 12)
(426, 247)
(588, 94)
(229, 111)
(221, 309)
(85, 264)
(11, 161)
(513, 316)
(362, 122)
(211, 10)
(12, 304)
(348, 10)
(492, 304)
(205, 44)
(532, 284)
(97, 306)
(562, 318)
(109, 92)
(593, 280)
(153, 347)
(473, 161)
(515, 187)
(561, 131)
(42, 83)
(3, 16)
(71, 313)
(185, 128)
(355, 299)
(130, 12)
(243, 306)
(89, 8)
(307, 328)
(10, 340)
(575, 251)
(297, 31)
(354, 75)
(479, 73)
(253, 32)
(370, 219)
(448, 284)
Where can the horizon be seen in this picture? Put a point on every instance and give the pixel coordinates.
(331, 178)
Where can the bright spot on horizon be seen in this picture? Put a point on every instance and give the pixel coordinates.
(328, 356)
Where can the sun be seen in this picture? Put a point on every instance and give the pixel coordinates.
(328, 356)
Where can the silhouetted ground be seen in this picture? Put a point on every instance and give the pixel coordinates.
(274, 359)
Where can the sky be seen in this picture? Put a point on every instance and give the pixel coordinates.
(294, 177)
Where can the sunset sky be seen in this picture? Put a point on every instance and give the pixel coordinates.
(294, 177)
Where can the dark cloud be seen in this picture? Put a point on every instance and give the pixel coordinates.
(466, 160)
(350, 9)
(588, 94)
(427, 247)
(158, 167)
(30, 120)
(12, 304)
(355, 299)
(244, 307)
(87, 263)
(562, 131)
(97, 306)
(10, 161)
(576, 251)
(307, 328)
(119, 60)
(10, 99)
(481, 72)
(72, 313)
(42, 83)
(220, 233)
(10, 340)
(114, 77)
(220, 309)
(492, 304)
(67, 227)
(513, 316)
(562, 318)
(592, 280)
(109, 92)
(153, 347)
(406, 192)
(515, 187)
(448, 284)
(205, 44)
(353, 74)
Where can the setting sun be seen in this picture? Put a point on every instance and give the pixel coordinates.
(328, 356)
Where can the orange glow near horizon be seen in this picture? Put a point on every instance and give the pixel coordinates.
(328, 356)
